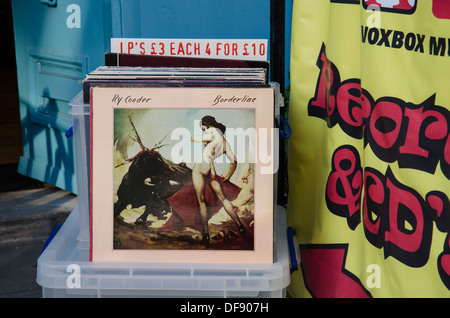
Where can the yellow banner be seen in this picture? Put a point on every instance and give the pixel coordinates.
(369, 157)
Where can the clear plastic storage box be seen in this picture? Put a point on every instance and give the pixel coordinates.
(81, 141)
(64, 269)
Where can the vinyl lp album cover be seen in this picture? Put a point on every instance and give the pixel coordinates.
(182, 174)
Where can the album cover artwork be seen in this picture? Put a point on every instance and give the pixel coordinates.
(182, 174)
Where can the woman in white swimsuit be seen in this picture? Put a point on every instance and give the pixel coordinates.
(204, 172)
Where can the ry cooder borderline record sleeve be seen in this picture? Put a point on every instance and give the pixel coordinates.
(182, 174)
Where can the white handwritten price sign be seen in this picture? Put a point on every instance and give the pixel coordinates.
(255, 50)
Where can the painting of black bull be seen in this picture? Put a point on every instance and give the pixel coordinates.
(150, 180)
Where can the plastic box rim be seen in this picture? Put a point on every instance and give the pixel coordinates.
(54, 268)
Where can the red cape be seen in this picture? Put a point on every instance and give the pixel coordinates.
(185, 210)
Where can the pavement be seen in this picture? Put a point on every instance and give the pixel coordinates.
(29, 212)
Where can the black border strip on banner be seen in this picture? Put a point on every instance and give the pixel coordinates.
(358, 2)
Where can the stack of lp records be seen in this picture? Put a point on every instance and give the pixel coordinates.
(182, 160)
